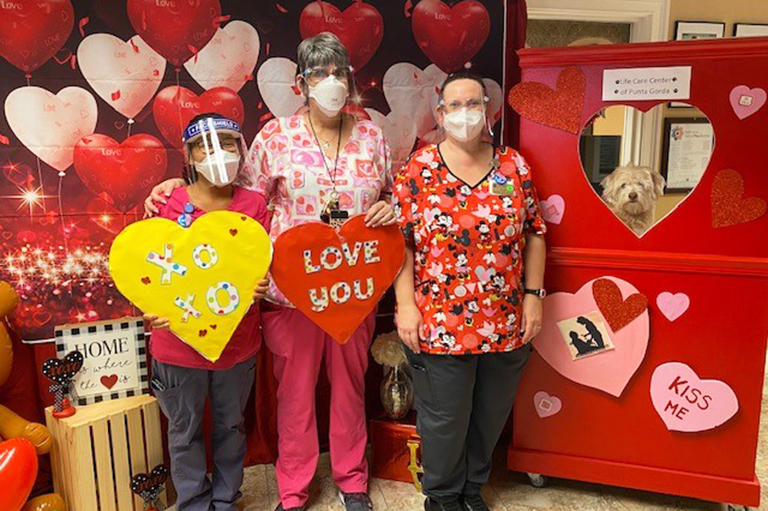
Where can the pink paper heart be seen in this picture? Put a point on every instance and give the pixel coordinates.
(673, 305)
(552, 209)
(609, 371)
(746, 101)
(546, 405)
(687, 403)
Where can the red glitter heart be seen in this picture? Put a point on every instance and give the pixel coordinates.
(729, 207)
(559, 108)
(617, 311)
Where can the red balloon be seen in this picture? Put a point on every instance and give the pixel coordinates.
(176, 29)
(32, 31)
(18, 471)
(450, 37)
(125, 171)
(360, 27)
(175, 106)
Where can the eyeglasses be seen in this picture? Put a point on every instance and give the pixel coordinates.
(320, 73)
(228, 144)
(472, 104)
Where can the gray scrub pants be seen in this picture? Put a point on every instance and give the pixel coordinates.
(462, 404)
(183, 403)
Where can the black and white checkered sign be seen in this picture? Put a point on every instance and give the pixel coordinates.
(115, 358)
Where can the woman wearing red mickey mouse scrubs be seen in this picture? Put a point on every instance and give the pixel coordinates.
(319, 165)
(469, 295)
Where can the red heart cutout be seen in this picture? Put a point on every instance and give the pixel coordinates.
(729, 207)
(18, 470)
(125, 171)
(176, 29)
(360, 27)
(33, 32)
(316, 267)
(617, 311)
(559, 108)
(450, 36)
(109, 381)
(175, 106)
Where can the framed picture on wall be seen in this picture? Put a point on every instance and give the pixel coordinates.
(691, 30)
(687, 148)
(750, 30)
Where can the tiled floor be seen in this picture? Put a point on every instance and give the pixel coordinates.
(507, 491)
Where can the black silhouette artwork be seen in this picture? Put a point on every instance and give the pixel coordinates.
(585, 335)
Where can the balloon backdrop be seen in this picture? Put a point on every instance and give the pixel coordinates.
(95, 95)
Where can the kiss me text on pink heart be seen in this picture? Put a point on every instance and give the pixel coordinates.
(332, 258)
(692, 395)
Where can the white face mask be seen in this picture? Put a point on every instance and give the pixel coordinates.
(464, 125)
(219, 170)
(330, 95)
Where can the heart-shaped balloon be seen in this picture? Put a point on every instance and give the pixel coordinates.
(125, 171)
(18, 470)
(228, 59)
(150, 483)
(31, 32)
(450, 36)
(687, 403)
(63, 370)
(277, 84)
(49, 124)
(201, 278)
(360, 27)
(336, 278)
(399, 132)
(560, 108)
(175, 106)
(609, 371)
(125, 74)
(413, 94)
(176, 29)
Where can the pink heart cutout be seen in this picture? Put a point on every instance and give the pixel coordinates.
(609, 371)
(687, 403)
(546, 405)
(673, 305)
(746, 101)
(552, 209)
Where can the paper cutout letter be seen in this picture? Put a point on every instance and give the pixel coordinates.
(205, 262)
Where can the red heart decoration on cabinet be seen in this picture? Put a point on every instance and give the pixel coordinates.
(616, 310)
(337, 278)
(560, 108)
(729, 207)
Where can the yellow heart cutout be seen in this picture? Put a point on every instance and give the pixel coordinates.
(201, 278)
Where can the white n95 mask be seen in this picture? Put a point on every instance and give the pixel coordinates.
(464, 124)
(330, 95)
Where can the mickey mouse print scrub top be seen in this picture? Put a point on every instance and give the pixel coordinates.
(468, 249)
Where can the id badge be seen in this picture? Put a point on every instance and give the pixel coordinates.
(502, 186)
(335, 217)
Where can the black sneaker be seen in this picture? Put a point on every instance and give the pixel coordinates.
(451, 503)
(473, 503)
(281, 508)
(356, 501)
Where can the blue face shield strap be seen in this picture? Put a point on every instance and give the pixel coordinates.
(217, 123)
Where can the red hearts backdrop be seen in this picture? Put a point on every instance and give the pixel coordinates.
(94, 94)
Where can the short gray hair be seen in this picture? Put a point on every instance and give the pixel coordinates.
(324, 49)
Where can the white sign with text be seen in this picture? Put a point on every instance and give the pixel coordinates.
(644, 83)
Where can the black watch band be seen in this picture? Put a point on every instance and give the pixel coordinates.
(541, 293)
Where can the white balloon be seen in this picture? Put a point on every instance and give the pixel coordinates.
(228, 59)
(399, 132)
(413, 93)
(496, 97)
(49, 124)
(124, 75)
(277, 79)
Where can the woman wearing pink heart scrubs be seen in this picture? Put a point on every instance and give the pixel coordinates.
(318, 165)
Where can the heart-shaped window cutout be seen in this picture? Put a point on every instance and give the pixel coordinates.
(643, 167)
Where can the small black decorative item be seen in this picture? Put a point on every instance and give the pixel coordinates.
(61, 372)
(149, 486)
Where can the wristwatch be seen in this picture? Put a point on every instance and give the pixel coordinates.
(541, 293)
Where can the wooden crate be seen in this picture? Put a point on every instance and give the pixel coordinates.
(97, 451)
(395, 449)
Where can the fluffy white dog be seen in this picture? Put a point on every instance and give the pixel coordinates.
(631, 192)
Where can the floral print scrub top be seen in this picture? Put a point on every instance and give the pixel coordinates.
(468, 244)
(292, 176)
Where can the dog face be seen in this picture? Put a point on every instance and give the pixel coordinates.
(632, 190)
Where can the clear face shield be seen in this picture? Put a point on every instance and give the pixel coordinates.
(215, 148)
